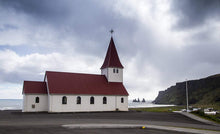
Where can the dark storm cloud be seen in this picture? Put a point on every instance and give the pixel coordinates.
(78, 16)
(86, 21)
(57, 12)
(46, 10)
(207, 53)
(194, 13)
(6, 27)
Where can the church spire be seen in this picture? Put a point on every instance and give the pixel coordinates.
(111, 58)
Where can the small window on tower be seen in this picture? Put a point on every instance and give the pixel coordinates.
(117, 71)
(113, 70)
(122, 100)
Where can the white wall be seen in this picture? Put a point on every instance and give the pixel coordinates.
(29, 100)
(122, 106)
(111, 76)
(85, 106)
(104, 72)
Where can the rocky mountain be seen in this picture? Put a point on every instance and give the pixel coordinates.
(202, 91)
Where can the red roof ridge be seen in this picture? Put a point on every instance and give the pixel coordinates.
(78, 83)
(70, 73)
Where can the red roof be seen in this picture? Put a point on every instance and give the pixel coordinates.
(111, 58)
(34, 87)
(75, 83)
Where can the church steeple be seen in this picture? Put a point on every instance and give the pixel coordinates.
(112, 67)
(111, 58)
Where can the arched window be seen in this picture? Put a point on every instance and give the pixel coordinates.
(122, 100)
(78, 100)
(116, 70)
(37, 100)
(92, 100)
(64, 100)
(104, 100)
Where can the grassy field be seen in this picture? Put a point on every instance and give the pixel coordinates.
(214, 106)
(158, 109)
(176, 108)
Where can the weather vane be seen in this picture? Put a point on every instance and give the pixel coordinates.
(111, 31)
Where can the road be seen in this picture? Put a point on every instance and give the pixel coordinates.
(16, 121)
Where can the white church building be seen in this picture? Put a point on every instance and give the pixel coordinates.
(77, 92)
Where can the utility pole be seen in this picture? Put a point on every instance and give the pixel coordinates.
(187, 103)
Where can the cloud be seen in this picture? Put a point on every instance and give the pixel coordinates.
(12, 90)
(15, 68)
(76, 24)
(141, 80)
(159, 42)
(194, 13)
(44, 10)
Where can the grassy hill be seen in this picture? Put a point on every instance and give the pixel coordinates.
(204, 91)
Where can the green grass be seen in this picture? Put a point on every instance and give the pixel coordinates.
(158, 109)
(203, 106)
(174, 108)
(215, 118)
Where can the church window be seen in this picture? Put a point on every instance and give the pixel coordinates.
(37, 100)
(64, 100)
(113, 70)
(122, 100)
(104, 100)
(92, 100)
(78, 100)
(116, 70)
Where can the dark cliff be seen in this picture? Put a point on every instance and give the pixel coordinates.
(202, 91)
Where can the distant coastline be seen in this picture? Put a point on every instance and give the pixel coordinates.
(16, 104)
(146, 104)
(204, 91)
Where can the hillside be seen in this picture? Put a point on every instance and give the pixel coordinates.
(202, 91)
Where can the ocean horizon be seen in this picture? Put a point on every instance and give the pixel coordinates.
(11, 104)
(16, 104)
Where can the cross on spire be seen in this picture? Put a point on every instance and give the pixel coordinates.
(111, 31)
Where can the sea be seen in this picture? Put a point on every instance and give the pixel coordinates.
(16, 104)
(10, 104)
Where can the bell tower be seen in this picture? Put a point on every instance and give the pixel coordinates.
(112, 67)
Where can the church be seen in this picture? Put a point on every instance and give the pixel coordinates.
(78, 92)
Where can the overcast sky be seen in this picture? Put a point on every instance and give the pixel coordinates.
(159, 42)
